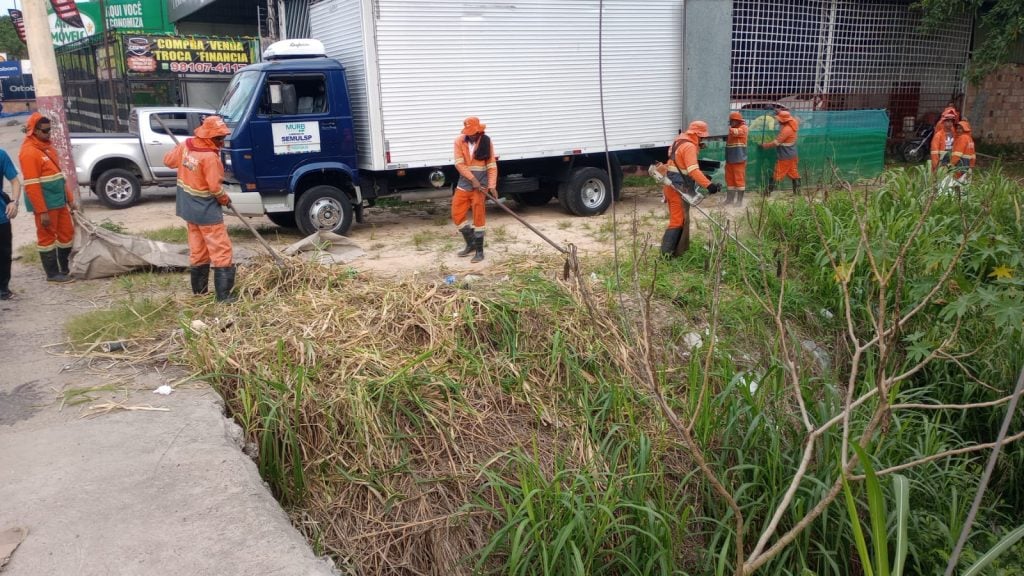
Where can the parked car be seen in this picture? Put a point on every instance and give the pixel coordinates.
(117, 166)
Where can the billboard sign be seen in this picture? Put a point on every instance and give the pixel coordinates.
(135, 15)
(152, 54)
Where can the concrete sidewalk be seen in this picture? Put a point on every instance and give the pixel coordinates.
(124, 493)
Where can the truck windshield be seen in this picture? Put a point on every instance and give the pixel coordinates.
(238, 96)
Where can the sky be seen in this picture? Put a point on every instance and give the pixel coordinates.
(6, 5)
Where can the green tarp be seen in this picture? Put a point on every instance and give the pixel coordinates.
(846, 144)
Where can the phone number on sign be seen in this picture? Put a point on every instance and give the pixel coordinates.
(205, 67)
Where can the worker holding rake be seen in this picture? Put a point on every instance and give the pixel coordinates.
(199, 199)
(478, 175)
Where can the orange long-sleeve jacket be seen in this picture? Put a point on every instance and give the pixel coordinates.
(736, 144)
(44, 184)
(200, 172)
(785, 142)
(963, 151)
(484, 171)
(685, 161)
(942, 143)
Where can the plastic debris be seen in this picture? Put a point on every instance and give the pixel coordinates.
(164, 390)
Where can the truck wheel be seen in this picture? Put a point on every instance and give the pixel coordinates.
(535, 198)
(118, 188)
(282, 219)
(587, 193)
(323, 208)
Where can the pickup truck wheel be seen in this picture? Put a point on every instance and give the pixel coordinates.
(323, 208)
(587, 193)
(282, 219)
(118, 188)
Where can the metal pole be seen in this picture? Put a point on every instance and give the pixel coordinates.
(109, 64)
(49, 99)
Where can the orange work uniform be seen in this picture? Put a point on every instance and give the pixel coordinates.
(466, 197)
(941, 147)
(46, 191)
(200, 174)
(736, 159)
(788, 157)
(684, 170)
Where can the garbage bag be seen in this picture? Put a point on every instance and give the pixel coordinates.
(101, 253)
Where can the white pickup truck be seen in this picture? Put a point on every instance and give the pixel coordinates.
(117, 166)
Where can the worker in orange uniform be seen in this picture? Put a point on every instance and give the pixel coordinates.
(942, 140)
(684, 173)
(736, 159)
(962, 157)
(785, 146)
(478, 175)
(199, 199)
(49, 197)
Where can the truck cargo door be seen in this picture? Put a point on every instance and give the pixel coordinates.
(293, 126)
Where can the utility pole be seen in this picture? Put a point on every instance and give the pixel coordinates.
(49, 99)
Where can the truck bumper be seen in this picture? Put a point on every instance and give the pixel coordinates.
(247, 203)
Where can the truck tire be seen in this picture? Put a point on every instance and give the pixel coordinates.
(535, 198)
(587, 193)
(323, 208)
(282, 219)
(118, 188)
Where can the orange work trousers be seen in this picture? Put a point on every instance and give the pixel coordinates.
(786, 167)
(209, 244)
(462, 202)
(60, 232)
(676, 210)
(736, 175)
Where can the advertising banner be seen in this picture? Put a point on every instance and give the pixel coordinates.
(295, 137)
(18, 88)
(135, 15)
(19, 23)
(10, 69)
(151, 54)
(68, 12)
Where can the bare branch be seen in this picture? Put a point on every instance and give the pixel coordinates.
(941, 455)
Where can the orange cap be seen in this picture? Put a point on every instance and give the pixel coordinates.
(735, 116)
(212, 127)
(472, 126)
(964, 125)
(784, 116)
(698, 128)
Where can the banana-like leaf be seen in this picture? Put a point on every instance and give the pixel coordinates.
(901, 487)
(1000, 547)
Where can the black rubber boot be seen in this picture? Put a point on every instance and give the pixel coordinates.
(771, 188)
(52, 268)
(200, 276)
(467, 235)
(478, 244)
(739, 196)
(64, 260)
(669, 241)
(224, 283)
(796, 186)
(729, 193)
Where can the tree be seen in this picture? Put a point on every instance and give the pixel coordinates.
(1001, 27)
(9, 41)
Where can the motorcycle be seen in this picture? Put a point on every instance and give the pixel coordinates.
(915, 150)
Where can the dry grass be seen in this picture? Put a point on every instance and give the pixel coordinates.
(377, 406)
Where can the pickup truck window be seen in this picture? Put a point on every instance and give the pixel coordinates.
(288, 95)
(176, 122)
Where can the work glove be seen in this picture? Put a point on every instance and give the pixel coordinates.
(714, 188)
(223, 200)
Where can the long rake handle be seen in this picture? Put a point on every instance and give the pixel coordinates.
(530, 226)
(270, 250)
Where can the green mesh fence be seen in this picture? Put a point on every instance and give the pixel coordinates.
(844, 144)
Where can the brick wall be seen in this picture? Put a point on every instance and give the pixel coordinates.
(995, 108)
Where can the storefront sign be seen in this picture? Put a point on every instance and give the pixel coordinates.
(295, 137)
(188, 55)
(136, 15)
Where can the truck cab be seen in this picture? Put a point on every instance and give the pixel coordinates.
(292, 151)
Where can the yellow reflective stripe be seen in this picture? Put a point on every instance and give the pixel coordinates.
(968, 156)
(786, 144)
(736, 145)
(692, 168)
(459, 160)
(936, 152)
(492, 165)
(196, 191)
(47, 178)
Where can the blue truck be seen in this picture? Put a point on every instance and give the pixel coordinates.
(370, 108)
